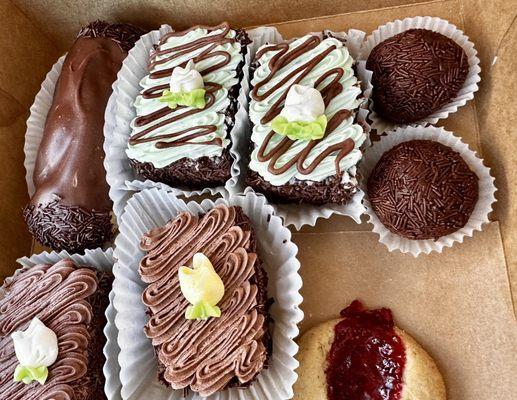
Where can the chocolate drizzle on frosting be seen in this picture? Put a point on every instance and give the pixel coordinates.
(415, 73)
(69, 300)
(206, 356)
(211, 44)
(283, 57)
(422, 189)
(181, 137)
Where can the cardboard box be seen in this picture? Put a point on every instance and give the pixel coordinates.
(458, 304)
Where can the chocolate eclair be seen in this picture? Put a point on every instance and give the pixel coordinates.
(306, 142)
(70, 208)
(186, 108)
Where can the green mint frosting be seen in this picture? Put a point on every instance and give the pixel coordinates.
(29, 374)
(195, 98)
(202, 310)
(300, 130)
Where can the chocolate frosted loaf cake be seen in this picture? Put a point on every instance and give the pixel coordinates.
(305, 143)
(66, 302)
(70, 208)
(186, 108)
(225, 344)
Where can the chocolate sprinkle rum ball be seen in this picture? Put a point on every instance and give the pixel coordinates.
(415, 73)
(422, 189)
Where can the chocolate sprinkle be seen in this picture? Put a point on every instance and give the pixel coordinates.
(194, 174)
(71, 228)
(330, 190)
(125, 35)
(415, 73)
(422, 189)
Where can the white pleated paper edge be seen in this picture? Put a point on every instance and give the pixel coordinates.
(102, 260)
(117, 130)
(154, 207)
(437, 25)
(36, 121)
(299, 215)
(481, 211)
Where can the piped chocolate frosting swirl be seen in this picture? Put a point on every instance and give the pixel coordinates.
(206, 356)
(70, 300)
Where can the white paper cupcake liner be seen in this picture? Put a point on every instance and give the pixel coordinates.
(36, 121)
(102, 260)
(437, 25)
(117, 130)
(299, 215)
(154, 207)
(481, 211)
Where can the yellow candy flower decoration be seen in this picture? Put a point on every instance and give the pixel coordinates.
(202, 287)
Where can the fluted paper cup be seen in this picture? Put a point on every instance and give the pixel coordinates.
(120, 176)
(299, 215)
(466, 93)
(37, 119)
(481, 211)
(151, 208)
(102, 260)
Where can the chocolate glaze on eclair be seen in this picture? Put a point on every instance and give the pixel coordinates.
(70, 208)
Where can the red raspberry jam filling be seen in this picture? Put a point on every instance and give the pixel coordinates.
(367, 358)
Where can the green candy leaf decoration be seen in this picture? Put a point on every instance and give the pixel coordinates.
(194, 98)
(202, 310)
(300, 130)
(29, 374)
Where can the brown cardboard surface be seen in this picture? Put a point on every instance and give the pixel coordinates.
(26, 57)
(456, 304)
(496, 105)
(62, 18)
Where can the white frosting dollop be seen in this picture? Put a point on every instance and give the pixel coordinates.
(186, 79)
(37, 346)
(303, 103)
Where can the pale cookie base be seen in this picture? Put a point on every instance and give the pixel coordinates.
(422, 379)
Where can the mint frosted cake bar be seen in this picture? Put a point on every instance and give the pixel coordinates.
(186, 108)
(306, 142)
